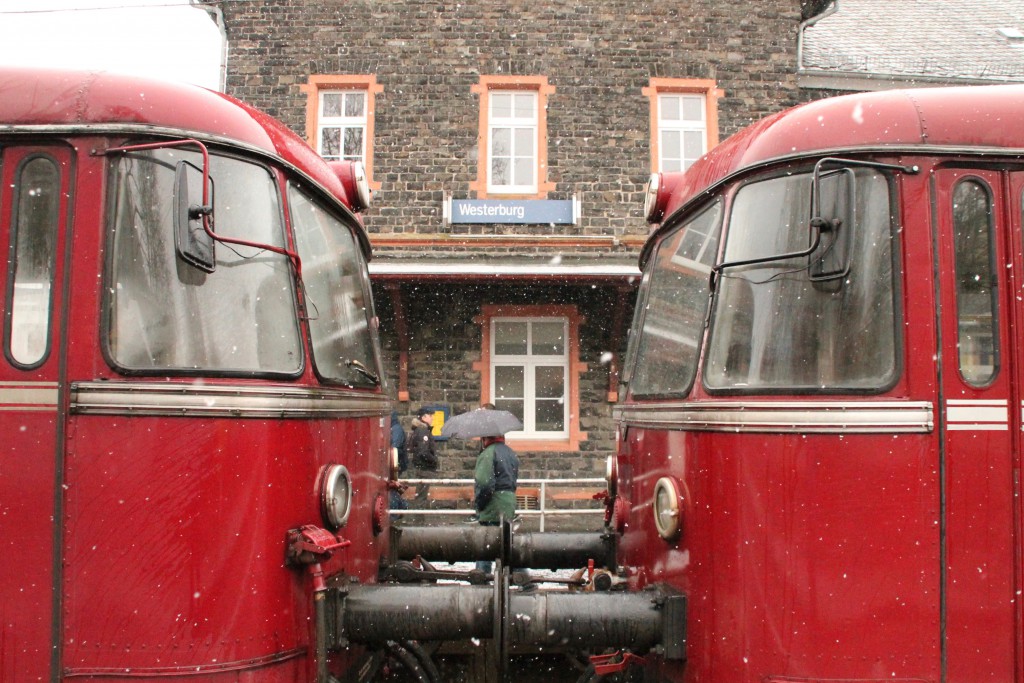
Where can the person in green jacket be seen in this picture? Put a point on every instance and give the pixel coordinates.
(495, 480)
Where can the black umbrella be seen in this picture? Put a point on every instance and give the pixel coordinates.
(481, 422)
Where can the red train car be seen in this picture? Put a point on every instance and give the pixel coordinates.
(191, 371)
(821, 436)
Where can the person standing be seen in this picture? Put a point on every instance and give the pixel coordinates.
(420, 447)
(496, 478)
(395, 499)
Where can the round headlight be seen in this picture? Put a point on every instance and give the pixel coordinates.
(651, 211)
(667, 514)
(611, 475)
(362, 185)
(336, 496)
(393, 470)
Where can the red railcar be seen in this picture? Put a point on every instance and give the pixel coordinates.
(821, 436)
(191, 372)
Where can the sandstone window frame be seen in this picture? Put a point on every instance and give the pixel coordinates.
(704, 90)
(320, 84)
(538, 87)
(571, 437)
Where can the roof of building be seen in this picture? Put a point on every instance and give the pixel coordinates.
(860, 42)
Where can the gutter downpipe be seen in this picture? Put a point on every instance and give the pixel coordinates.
(804, 25)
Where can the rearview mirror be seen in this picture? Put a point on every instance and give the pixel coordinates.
(833, 216)
(192, 242)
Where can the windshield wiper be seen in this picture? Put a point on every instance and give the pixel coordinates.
(362, 370)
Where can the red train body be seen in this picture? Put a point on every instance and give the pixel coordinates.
(171, 400)
(821, 437)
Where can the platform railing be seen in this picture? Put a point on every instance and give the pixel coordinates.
(580, 489)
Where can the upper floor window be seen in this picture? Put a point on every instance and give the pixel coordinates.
(513, 136)
(339, 117)
(341, 129)
(684, 121)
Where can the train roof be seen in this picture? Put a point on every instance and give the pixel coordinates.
(93, 101)
(925, 120)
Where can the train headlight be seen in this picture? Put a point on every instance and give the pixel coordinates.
(667, 511)
(654, 210)
(336, 496)
(611, 475)
(393, 470)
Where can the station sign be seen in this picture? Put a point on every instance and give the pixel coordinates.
(512, 211)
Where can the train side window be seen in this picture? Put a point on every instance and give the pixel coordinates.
(337, 296)
(671, 314)
(793, 323)
(976, 292)
(35, 215)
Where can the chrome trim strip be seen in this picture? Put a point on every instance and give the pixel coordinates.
(222, 400)
(814, 417)
(991, 415)
(28, 397)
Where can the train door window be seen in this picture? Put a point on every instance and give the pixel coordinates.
(775, 324)
(976, 293)
(165, 315)
(34, 217)
(671, 313)
(337, 297)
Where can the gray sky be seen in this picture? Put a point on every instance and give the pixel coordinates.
(165, 39)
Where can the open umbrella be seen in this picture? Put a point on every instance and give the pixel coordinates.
(481, 422)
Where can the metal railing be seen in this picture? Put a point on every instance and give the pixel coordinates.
(542, 510)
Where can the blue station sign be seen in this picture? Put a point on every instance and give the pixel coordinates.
(513, 211)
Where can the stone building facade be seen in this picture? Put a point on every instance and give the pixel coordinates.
(485, 108)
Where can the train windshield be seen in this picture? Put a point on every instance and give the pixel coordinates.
(778, 325)
(165, 314)
(337, 299)
(671, 320)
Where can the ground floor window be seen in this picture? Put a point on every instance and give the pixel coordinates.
(530, 367)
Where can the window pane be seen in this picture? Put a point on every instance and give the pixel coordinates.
(672, 315)
(338, 306)
(332, 104)
(693, 109)
(548, 339)
(773, 326)
(354, 143)
(168, 315)
(501, 105)
(514, 406)
(510, 339)
(36, 208)
(671, 144)
(509, 382)
(354, 104)
(330, 143)
(523, 172)
(549, 415)
(524, 142)
(669, 107)
(549, 382)
(501, 142)
(501, 172)
(975, 283)
(525, 107)
(693, 144)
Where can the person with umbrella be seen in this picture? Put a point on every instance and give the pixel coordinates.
(496, 475)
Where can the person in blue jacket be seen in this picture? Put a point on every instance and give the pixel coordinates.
(495, 480)
(395, 499)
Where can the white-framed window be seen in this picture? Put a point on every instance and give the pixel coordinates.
(342, 124)
(682, 130)
(512, 134)
(529, 367)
